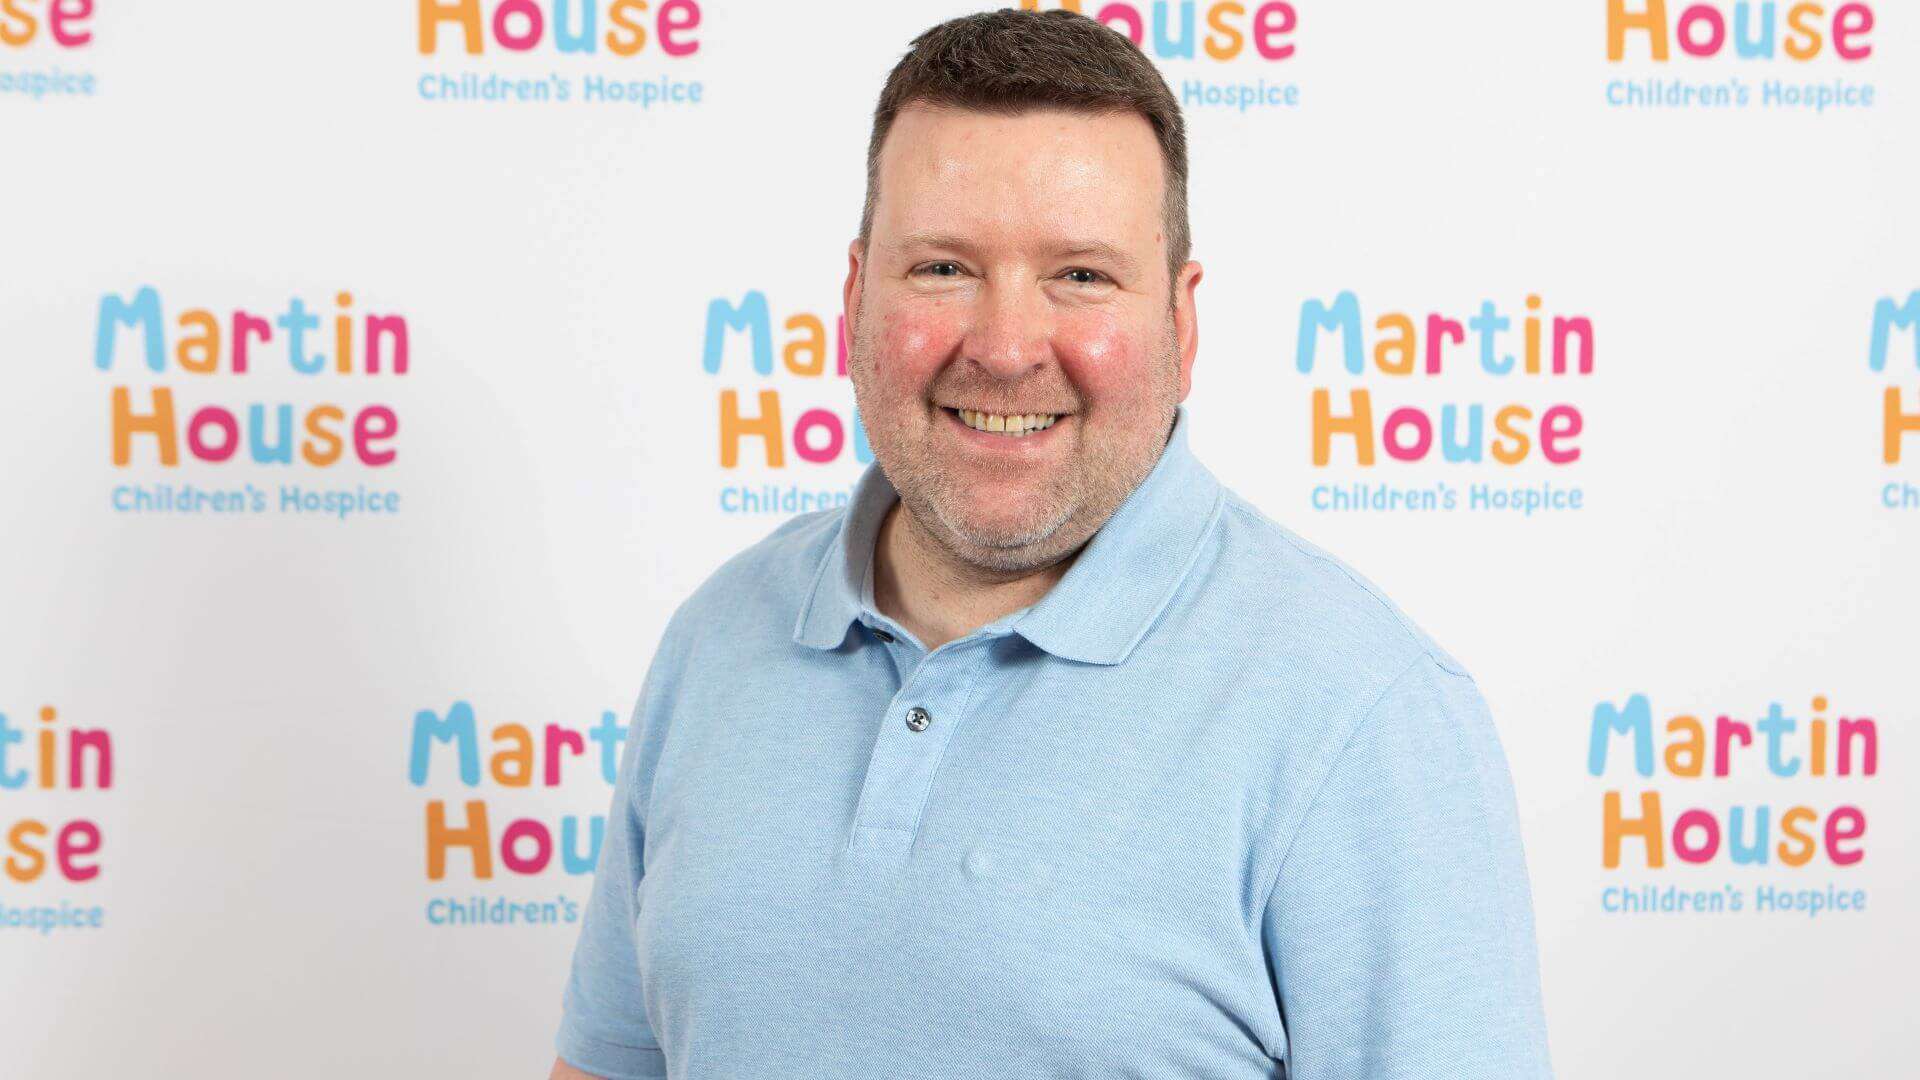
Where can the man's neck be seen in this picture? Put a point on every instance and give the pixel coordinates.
(922, 586)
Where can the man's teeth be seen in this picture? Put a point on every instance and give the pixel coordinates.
(1017, 424)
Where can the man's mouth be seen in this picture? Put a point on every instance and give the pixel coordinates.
(1017, 425)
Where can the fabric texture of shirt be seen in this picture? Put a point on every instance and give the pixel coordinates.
(1212, 807)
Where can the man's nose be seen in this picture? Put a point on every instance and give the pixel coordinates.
(1012, 329)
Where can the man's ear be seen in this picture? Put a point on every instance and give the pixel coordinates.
(1186, 323)
(850, 292)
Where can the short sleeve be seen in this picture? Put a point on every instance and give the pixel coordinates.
(603, 1023)
(1400, 930)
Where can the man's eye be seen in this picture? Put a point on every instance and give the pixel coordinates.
(1092, 276)
(941, 269)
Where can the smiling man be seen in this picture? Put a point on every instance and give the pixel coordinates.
(1048, 756)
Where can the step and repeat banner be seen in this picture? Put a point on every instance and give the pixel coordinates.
(377, 376)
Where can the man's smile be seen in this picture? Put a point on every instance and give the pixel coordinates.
(999, 427)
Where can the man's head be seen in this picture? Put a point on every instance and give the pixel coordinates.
(1023, 251)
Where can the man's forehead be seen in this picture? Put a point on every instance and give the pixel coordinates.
(930, 132)
(1062, 179)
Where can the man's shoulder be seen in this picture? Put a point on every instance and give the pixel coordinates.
(769, 578)
(1310, 604)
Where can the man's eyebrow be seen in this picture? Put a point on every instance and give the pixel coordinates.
(1099, 249)
(929, 240)
(1078, 249)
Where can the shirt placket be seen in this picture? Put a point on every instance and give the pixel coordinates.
(909, 742)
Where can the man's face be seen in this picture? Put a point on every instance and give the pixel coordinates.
(1017, 267)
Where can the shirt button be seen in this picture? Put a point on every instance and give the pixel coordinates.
(883, 635)
(918, 718)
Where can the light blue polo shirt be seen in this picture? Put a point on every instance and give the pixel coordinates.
(1211, 808)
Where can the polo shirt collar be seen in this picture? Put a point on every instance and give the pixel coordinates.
(1098, 611)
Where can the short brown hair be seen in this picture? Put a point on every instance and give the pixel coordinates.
(1011, 60)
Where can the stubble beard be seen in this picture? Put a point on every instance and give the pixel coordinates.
(1060, 522)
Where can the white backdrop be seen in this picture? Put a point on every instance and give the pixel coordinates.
(259, 895)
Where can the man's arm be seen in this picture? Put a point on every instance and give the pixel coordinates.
(1400, 928)
(564, 1071)
(603, 1019)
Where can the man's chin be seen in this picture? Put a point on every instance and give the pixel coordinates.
(1002, 541)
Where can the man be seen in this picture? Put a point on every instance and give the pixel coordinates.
(1047, 756)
